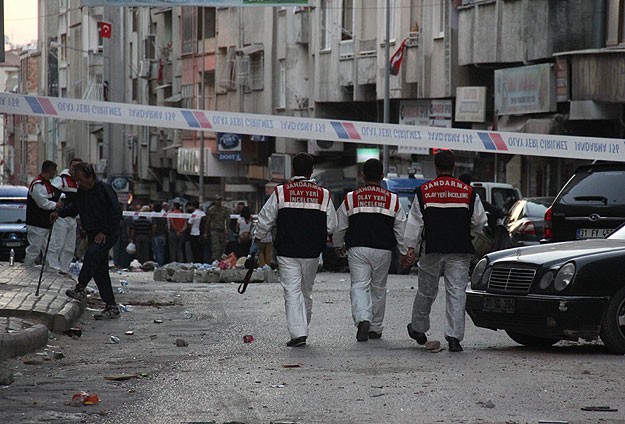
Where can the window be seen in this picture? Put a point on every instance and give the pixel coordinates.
(325, 25)
(227, 76)
(438, 19)
(187, 92)
(615, 25)
(347, 20)
(206, 22)
(282, 85)
(257, 71)
(188, 30)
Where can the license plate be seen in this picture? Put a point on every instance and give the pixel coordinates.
(593, 233)
(13, 244)
(499, 304)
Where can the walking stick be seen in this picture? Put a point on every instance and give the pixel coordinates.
(43, 264)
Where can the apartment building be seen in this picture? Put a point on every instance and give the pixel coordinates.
(461, 59)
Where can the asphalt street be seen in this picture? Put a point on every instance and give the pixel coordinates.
(147, 378)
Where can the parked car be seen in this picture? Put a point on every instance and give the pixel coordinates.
(590, 205)
(549, 292)
(13, 221)
(525, 222)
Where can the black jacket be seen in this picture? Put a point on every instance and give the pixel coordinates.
(99, 210)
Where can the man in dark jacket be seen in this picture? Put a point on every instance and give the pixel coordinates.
(100, 215)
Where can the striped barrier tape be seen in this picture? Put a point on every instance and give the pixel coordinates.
(560, 146)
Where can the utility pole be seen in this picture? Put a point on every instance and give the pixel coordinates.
(203, 106)
(385, 149)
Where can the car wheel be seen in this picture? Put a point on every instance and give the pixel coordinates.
(613, 324)
(531, 341)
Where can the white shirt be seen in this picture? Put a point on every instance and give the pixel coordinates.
(194, 220)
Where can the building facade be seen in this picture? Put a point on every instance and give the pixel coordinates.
(516, 65)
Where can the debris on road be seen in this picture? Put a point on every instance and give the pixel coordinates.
(74, 332)
(121, 377)
(488, 404)
(114, 340)
(433, 345)
(181, 343)
(292, 365)
(83, 398)
(599, 409)
(158, 321)
(248, 338)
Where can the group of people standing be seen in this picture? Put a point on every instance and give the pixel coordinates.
(192, 235)
(368, 225)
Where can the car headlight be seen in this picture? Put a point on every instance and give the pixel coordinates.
(564, 276)
(478, 272)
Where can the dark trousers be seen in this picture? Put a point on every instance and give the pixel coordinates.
(196, 249)
(96, 266)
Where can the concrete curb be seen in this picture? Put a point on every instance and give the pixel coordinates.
(66, 317)
(24, 341)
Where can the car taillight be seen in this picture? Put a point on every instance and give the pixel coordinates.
(527, 228)
(548, 223)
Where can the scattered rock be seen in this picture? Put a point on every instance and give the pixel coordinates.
(181, 343)
(433, 345)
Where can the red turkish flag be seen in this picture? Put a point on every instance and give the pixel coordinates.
(105, 29)
(397, 58)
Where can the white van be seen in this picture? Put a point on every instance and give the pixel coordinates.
(501, 195)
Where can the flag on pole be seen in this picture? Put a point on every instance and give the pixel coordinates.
(397, 58)
(105, 29)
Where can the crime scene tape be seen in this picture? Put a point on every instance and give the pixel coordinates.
(408, 136)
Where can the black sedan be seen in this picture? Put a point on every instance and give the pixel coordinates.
(560, 291)
(525, 222)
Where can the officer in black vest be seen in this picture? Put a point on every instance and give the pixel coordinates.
(444, 212)
(371, 222)
(304, 215)
(42, 199)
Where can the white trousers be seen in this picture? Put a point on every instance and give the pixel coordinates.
(454, 267)
(37, 239)
(62, 244)
(368, 268)
(297, 276)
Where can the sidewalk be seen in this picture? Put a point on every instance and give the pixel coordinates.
(27, 319)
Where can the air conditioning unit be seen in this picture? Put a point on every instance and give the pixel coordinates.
(144, 69)
(316, 147)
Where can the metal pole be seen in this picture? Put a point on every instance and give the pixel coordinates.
(385, 156)
(203, 106)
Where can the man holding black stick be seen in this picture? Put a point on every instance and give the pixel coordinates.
(100, 215)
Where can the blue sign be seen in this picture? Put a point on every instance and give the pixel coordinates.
(230, 157)
(228, 142)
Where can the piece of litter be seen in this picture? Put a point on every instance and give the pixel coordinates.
(291, 366)
(488, 404)
(158, 321)
(181, 343)
(599, 409)
(120, 377)
(129, 333)
(278, 386)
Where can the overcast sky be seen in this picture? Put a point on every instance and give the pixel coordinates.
(20, 20)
